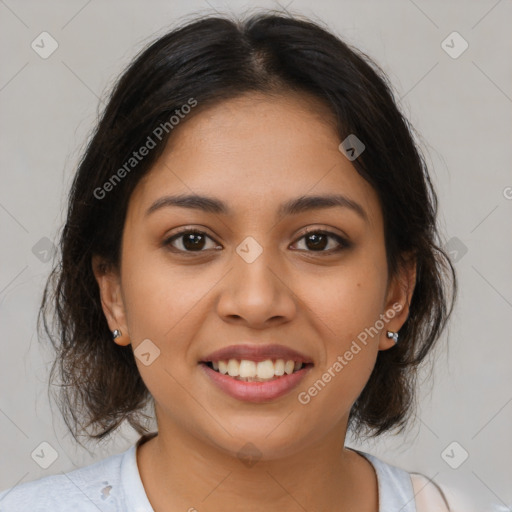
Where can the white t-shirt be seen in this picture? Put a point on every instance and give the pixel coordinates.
(114, 484)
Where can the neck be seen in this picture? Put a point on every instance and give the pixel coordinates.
(182, 472)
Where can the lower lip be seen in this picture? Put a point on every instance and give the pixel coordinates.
(255, 391)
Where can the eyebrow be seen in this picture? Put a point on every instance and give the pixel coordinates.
(291, 207)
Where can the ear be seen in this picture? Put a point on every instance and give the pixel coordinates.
(398, 300)
(109, 283)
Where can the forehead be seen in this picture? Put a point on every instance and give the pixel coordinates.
(255, 152)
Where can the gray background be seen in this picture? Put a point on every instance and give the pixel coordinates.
(460, 106)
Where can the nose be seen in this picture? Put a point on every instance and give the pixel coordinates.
(257, 292)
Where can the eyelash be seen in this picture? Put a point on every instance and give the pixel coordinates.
(345, 244)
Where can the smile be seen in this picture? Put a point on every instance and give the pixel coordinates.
(252, 371)
(253, 381)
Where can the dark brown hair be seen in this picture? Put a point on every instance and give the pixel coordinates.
(211, 59)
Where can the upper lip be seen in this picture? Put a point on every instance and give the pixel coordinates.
(257, 353)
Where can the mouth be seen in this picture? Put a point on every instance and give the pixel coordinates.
(247, 370)
(255, 381)
(255, 372)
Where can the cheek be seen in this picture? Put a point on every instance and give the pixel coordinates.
(344, 306)
(166, 304)
(346, 300)
(159, 296)
(346, 363)
(162, 306)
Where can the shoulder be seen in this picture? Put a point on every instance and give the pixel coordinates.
(429, 496)
(85, 489)
(406, 491)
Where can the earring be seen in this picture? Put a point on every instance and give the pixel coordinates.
(394, 335)
(116, 333)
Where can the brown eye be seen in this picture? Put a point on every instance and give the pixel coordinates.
(318, 241)
(190, 241)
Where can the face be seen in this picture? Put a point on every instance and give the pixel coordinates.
(193, 281)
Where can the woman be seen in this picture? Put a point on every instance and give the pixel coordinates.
(251, 249)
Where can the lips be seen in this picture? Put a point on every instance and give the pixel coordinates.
(270, 371)
(256, 353)
(256, 392)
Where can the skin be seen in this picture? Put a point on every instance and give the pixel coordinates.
(254, 152)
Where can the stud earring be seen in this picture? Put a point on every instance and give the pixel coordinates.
(394, 335)
(116, 333)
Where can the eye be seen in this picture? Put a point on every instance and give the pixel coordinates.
(191, 240)
(317, 240)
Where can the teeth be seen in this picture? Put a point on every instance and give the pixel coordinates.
(249, 370)
(223, 367)
(288, 367)
(233, 368)
(265, 369)
(279, 367)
